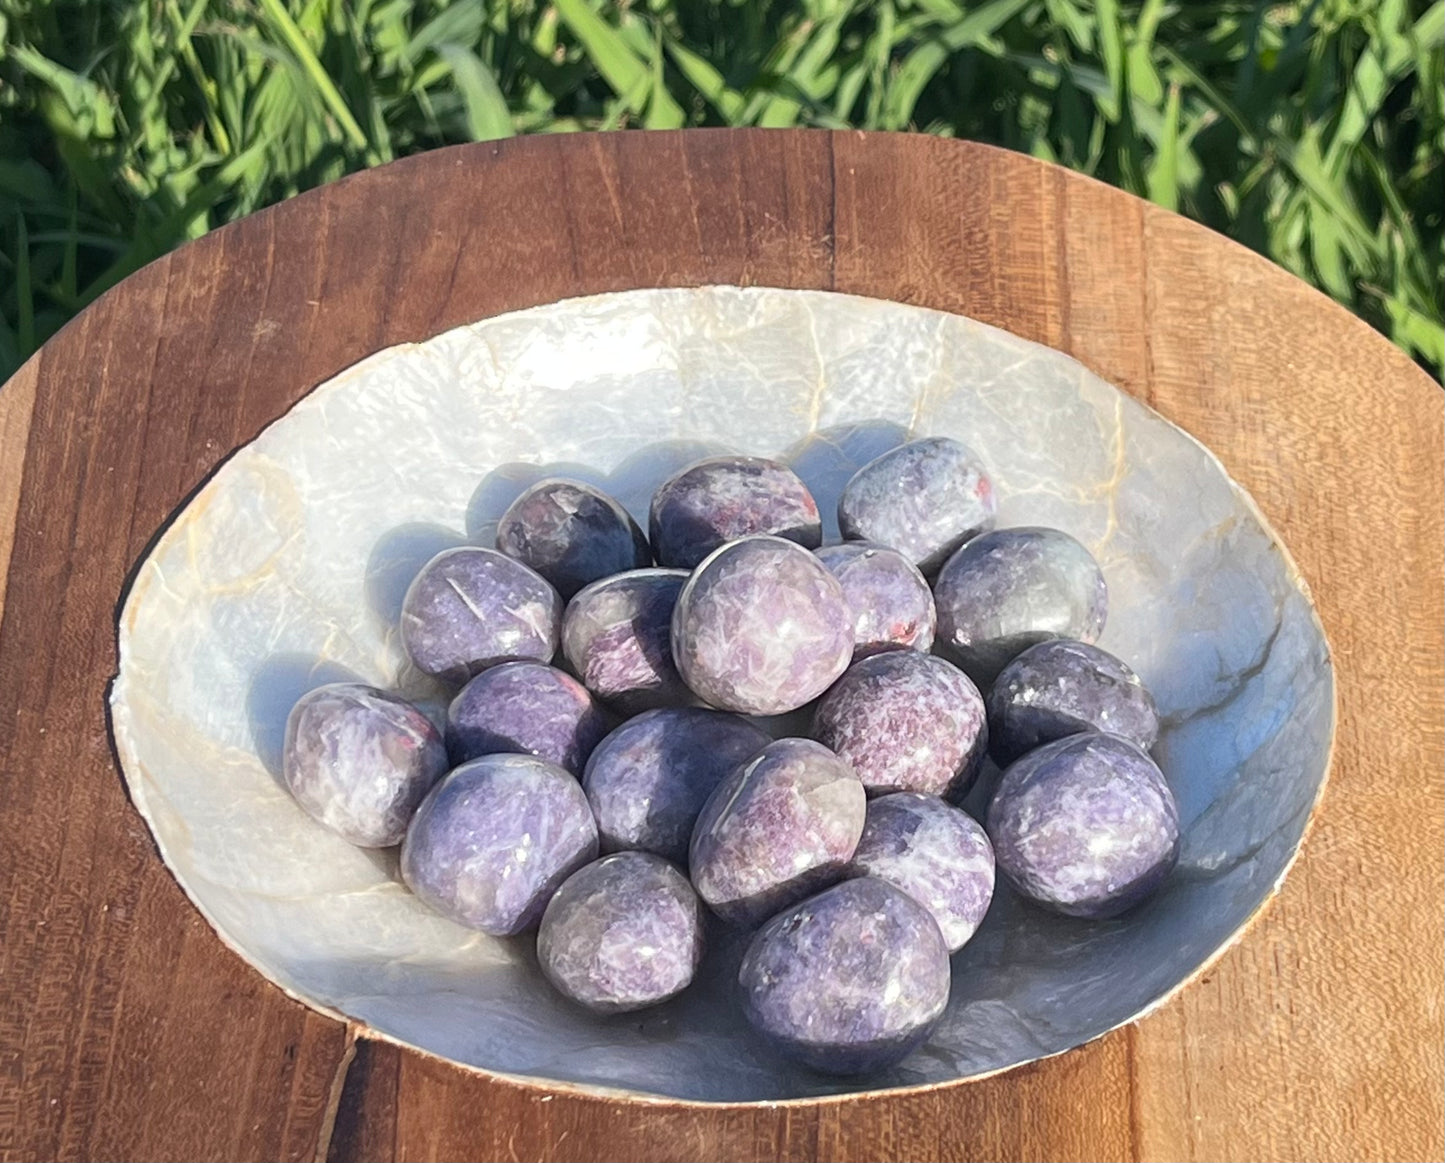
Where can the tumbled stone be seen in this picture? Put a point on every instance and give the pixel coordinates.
(1085, 826)
(359, 761)
(1009, 589)
(572, 534)
(849, 981)
(648, 780)
(924, 499)
(722, 498)
(617, 636)
(495, 839)
(938, 854)
(889, 599)
(1060, 688)
(906, 722)
(761, 628)
(472, 608)
(526, 708)
(780, 826)
(622, 933)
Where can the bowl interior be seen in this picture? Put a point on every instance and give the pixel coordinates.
(287, 571)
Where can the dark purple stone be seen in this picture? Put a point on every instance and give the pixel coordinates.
(648, 780)
(761, 628)
(1009, 589)
(359, 761)
(726, 497)
(571, 534)
(1085, 826)
(617, 636)
(622, 933)
(936, 853)
(906, 722)
(924, 499)
(779, 827)
(1060, 688)
(849, 981)
(526, 708)
(493, 841)
(891, 603)
(470, 608)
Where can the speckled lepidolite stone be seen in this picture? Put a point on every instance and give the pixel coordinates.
(470, 608)
(761, 628)
(726, 497)
(1009, 589)
(936, 853)
(890, 601)
(359, 761)
(924, 499)
(617, 636)
(622, 933)
(780, 826)
(1085, 826)
(1061, 688)
(527, 708)
(571, 534)
(495, 838)
(906, 722)
(648, 780)
(848, 981)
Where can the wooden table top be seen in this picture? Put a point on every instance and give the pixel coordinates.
(127, 1030)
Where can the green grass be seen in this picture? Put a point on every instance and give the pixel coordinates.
(1312, 132)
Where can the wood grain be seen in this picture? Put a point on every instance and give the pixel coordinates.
(127, 1030)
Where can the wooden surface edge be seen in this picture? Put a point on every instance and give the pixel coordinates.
(17, 405)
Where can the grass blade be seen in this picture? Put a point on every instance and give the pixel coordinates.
(488, 117)
(300, 47)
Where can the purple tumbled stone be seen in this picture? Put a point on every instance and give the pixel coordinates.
(761, 628)
(359, 761)
(936, 853)
(471, 608)
(906, 722)
(780, 826)
(526, 708)
(617, 636)
(924, 499)
(848, 981)
(1062, 688)
(571, 534)
(1009, 589)
(1085, 826)
(622, 933)
(723, 498)
(495, 838)
(648, 780)
(891, 603)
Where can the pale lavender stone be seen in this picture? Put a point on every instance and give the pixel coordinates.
(849, 981)
(906, 722)
(572, 534)
(648, 780)
(1085, 826)
(1009, 589)
(359, 761)
(472, 608)
(779, 827)
(891, 603)
(726, 497)
(617, 636)
(761, 628)
(936, 853)
(924, 499)
(526, 708)
(493, 841)
(1062, 688)
(622, 933)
